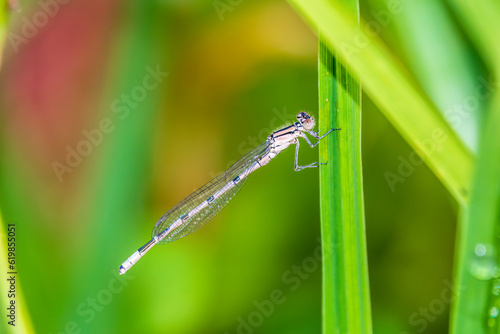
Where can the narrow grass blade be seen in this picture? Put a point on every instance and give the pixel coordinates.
(21, 321)
(478, 302)
(395, 91)
(346, 296)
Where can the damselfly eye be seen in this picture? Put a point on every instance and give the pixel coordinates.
(302, 116)
(306, 120)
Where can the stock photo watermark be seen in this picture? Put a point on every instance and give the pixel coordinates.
(223, 6)
(11, 272)
(122, 107)
(293, 279)
(88, 310)
(30, 26)
(421, 318)
(455, 116)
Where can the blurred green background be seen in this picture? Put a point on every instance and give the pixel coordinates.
(226, 74)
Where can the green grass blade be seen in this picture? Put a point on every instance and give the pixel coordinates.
(395, 91)
(346, 296)
(477, 244)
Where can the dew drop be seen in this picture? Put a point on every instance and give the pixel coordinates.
(495, 289)
(494, 312)
(483, 265)
(492, 320)
(480, 250)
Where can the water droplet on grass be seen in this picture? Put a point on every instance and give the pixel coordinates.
(494, 312)
(483, 265)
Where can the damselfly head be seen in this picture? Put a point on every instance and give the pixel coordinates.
(306, 120)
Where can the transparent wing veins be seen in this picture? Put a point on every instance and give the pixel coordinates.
(203, 194)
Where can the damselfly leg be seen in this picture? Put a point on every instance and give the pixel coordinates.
(303, 135)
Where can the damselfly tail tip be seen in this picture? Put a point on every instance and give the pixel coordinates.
(122, 270)
(129, 262)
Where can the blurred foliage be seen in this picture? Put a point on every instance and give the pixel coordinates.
(4, 13)
(75, 78)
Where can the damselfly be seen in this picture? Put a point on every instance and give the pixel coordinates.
(198, 208)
